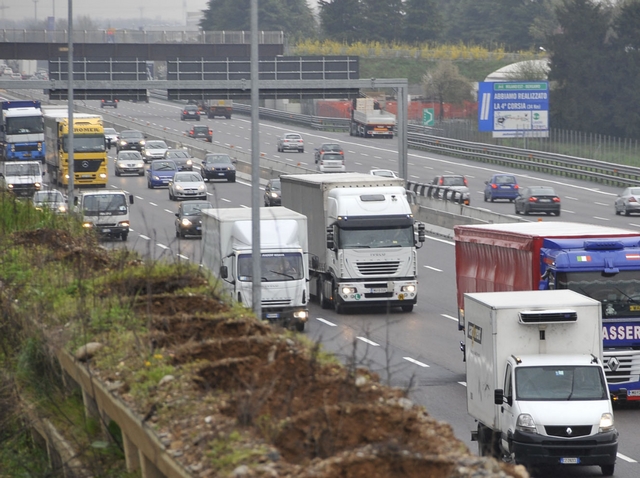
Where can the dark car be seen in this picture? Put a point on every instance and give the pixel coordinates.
(130, 139)
(200, 132)
(328, 148)
(107, 102)
(628, 201)
(181, 157)
(189, 217)
(537, 199)
(219, 166)
(501, 186)
(190, 112)
(272, 195)
(160, 173)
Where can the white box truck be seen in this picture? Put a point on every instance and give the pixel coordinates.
(104, 211)
(535, 380)
(362, 238)
(227, 252)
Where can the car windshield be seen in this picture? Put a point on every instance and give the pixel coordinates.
(386, 174)
(331, 147)
(542, 192)
(164, 166)
(155, 145)
(131, 135)
(110, 131)
(505, 180)
(187, 178)
(195, 209)
(129, 155)
(218, 159)
(453, 181)
(201, 129)
(275, 185)
(293, 136)
(634, 191)
(48, 196)
(401, 236)
(177, 154)
(334, 157)
(560, 383)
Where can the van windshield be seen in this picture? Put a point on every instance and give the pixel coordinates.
(18, 169)
(105, 205)
(560, 383)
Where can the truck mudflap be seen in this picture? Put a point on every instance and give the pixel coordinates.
(531, 449)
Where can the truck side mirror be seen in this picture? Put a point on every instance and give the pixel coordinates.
(422, 234)
(315, 262)
(224, 272)
(330, 239)
(75, 201)
(498, 396)
(130, 198)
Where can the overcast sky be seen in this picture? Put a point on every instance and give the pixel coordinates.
(168, 10)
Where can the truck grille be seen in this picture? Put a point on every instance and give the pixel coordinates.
(621, 367)
(25, 147)
(377, 268)
(561, 431)
(276, 303)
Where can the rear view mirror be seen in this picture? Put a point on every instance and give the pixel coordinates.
(498, 396)
(224, 272)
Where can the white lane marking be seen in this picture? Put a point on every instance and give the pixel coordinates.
(325, 321)
(602, 204)
(428, 167)
(357, 163)
(140, 198)
(246, 207)
(367, 341)
(434, 268)
(152, 203)
(634, 225)
(464, 384)
(570, 212)
(146, 238)
(571, 197)
(224, 199)
(446, 316)
(182, 257)
(626, 458)
(414, 176)
(601, 218)
(163, 246)
(409, 359)
(169, 211)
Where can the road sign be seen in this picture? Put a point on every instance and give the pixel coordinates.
(428, 117)
(514, 109)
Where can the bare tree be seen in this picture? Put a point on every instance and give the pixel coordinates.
(445, 84)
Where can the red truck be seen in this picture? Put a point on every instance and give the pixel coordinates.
(597, 261)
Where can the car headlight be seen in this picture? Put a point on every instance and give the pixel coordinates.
(185, 222)
(123, 142)
(525, 423)
(348, 290)
(139, 165)
(156, 178)
(189, 162)
(606, 423)
(62, 208)
(178, 187)
(142, 142)
(408, 288)
(201, 187)
(274, 195)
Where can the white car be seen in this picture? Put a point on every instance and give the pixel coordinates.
(385, 173)
(154, 149)
(331, 163)
(187, 185)
(111, 135)
(129, 162)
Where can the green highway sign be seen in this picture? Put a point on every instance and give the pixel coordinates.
(428, 117)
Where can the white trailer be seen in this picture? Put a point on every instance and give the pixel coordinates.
(369, 120)
(227, 252)
(535, 380)
(362, 238)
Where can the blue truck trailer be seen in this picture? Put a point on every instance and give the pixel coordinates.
(21, 131)
(597, 261)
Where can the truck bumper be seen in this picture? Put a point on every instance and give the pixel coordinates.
(394, 293)
(533, 449)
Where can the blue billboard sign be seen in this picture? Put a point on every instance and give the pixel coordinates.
(514, 109)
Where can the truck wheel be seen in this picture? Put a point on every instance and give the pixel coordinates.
(324, 303)
(607, 470)
(124, 236)
(337, 306)
(300, 326)
(407, 308)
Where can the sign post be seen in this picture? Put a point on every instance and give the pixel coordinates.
(514, 109)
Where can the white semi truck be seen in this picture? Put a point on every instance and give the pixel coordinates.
(362, 238)
(535, 381)
(227, 252)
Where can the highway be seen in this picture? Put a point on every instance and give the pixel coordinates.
(417, 351)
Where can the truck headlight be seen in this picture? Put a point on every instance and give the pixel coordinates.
(525, 423)
(301, 314)
(37, 185)
(123, 224)
(87, 225)
(9, 186)
(348, 290)
(62, 208)
(408, 288)
(606, 423)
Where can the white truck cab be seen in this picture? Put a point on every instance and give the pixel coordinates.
(22, 178)
(107, 212)
(535, 381)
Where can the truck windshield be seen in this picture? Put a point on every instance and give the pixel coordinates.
(284, 266)
(401, 236)
(105, 205)
(25, 125)
(86, 144)
(560, 383)
(17, 169)
(619, 293)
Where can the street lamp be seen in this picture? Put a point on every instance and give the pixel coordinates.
(35, 8)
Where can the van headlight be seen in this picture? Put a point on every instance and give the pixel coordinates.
(606, 423)
(301, 314)
(87, 225)
(525, 423)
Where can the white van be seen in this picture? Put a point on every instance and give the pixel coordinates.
(23, 178)
(107, 212)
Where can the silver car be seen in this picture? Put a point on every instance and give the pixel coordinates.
(50, 199)
(291, 141)
(628, 201)
(154, 149)
(111, 135)
(129, 162)
(187, 185)
(331, 163)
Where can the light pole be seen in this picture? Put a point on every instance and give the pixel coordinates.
(35, 8)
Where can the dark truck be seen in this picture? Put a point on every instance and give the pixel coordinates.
(213, 108)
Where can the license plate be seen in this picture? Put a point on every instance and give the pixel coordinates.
(273, 316)
(569, 461)
(220, 174)
(85, 176)
(545, 200)
(377, 290)
(505, 187)
(106, 230)
(634, 393)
